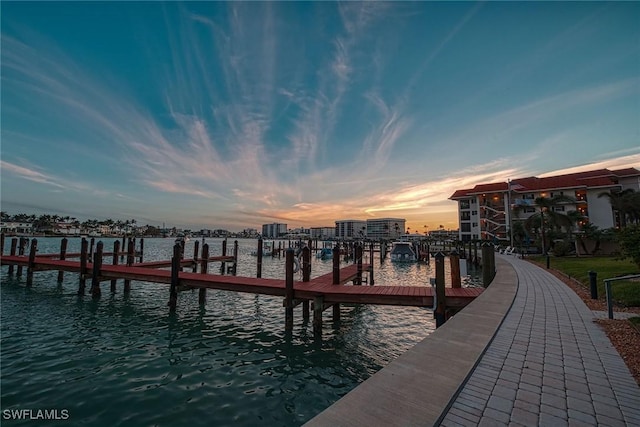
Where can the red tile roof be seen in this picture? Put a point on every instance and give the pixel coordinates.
(589, 179)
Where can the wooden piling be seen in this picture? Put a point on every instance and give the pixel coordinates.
(21, 248)
(114, 261)
(141, 249)
(91, 244)
(259, 262)
(175, 278)
(1, 244)
(224, 253)
(288, 299)
(487, 273)
(84, 245)
(97, 265)
(371, 280)
(235, 257)
(12, 252)
(124, 245)
(32, 261)
(441, 303)
(204, 263)
(336, 265)
(196, 248)
(63, 255)
(454, 259)
(358, 257)
(306, 276)
(130, 259)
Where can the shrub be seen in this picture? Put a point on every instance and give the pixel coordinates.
(561, 248)
(629, 240)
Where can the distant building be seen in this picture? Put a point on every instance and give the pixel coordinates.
(385, 228)
(486, 211)
(274, 230)
(351, 229)
(323, 233)
(13, 227)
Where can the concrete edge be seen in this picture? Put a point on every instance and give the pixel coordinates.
(422, 383)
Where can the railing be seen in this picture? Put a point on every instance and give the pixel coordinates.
(607, 288)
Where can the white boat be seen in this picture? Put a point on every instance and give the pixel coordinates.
(267, 248)
(325, 253)
(403, 252)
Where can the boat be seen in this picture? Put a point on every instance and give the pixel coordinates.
(403, 252)
(267, 248)
(325, 253)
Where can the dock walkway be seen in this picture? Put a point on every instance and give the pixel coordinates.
(548, 365)
(525, 352)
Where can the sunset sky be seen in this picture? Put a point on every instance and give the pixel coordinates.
(231, 115)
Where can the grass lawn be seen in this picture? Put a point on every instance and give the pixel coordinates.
(624, 292)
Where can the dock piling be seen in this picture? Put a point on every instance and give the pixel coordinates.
(63, 255)
(12, 252)
(21, 248)
(116, 249)
(441, 303)
(97, 265)
(336, 265)
(204, 263)
(288, 299)
(259, 262)
(454, 259)
(84, 246)
(32, 261)
(130, 258)
(175, 278)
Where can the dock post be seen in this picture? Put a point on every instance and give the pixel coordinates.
(12, 252)
(288, 296)
(441, 302)
(358, 256)
(130, 258)
(487, 273)
(371, 283)
(32, 261)
(318, 306)
(21, 247)
(336, 265)
(224, 253)
(235, 257)
(306, 276)
(141, 249)
(196, 248)
(93, 241)
(83, 266)
(454, 259)
(175, 277)
(116, 249)
(259, 262)
(204, 263)
(63, 255)
(1, 244)
(97, 265)
(124, 241)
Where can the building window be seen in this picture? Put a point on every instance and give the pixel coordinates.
(465, 227)
(474, 224)
(464, 204)
(474, 213)
(529, 210)
(465, 216)
(528, 196)
(558, 208)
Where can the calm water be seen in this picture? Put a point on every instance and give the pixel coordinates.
(124, 361)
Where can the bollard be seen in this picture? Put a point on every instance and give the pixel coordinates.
(548, 261)
(487, 274)
(593, 284)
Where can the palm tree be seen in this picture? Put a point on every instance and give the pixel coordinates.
(547, 215)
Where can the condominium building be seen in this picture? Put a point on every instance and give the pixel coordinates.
(351, 229)
(385, 228)
(272, 231)
(486, 211)
(323, 232)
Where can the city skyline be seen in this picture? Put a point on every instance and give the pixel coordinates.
(234, 115)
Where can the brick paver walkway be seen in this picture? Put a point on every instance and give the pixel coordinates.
(548, 365)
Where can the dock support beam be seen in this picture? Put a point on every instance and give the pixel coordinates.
(454, 259)
(114, 261)
(97, 265)
(130, 259)
(175, 278)
(12, 252)
(306, 276)
(259, 265)
(441, 303)
(318, 306)
(288, 298)
(84, 245)
(204, 263)
(63, 255)
(22, 244)
(32, 261)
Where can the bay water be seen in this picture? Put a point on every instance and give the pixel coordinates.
(127, 361)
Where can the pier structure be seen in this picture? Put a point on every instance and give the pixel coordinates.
(317, 294)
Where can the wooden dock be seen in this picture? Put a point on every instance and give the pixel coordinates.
(325, 291)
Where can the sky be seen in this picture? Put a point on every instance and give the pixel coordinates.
(237, 114)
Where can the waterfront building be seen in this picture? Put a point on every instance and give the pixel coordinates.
(385, 228)
(274, 230)
(16, 227)
(351, 229)
(323, 233)
(486, 211)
